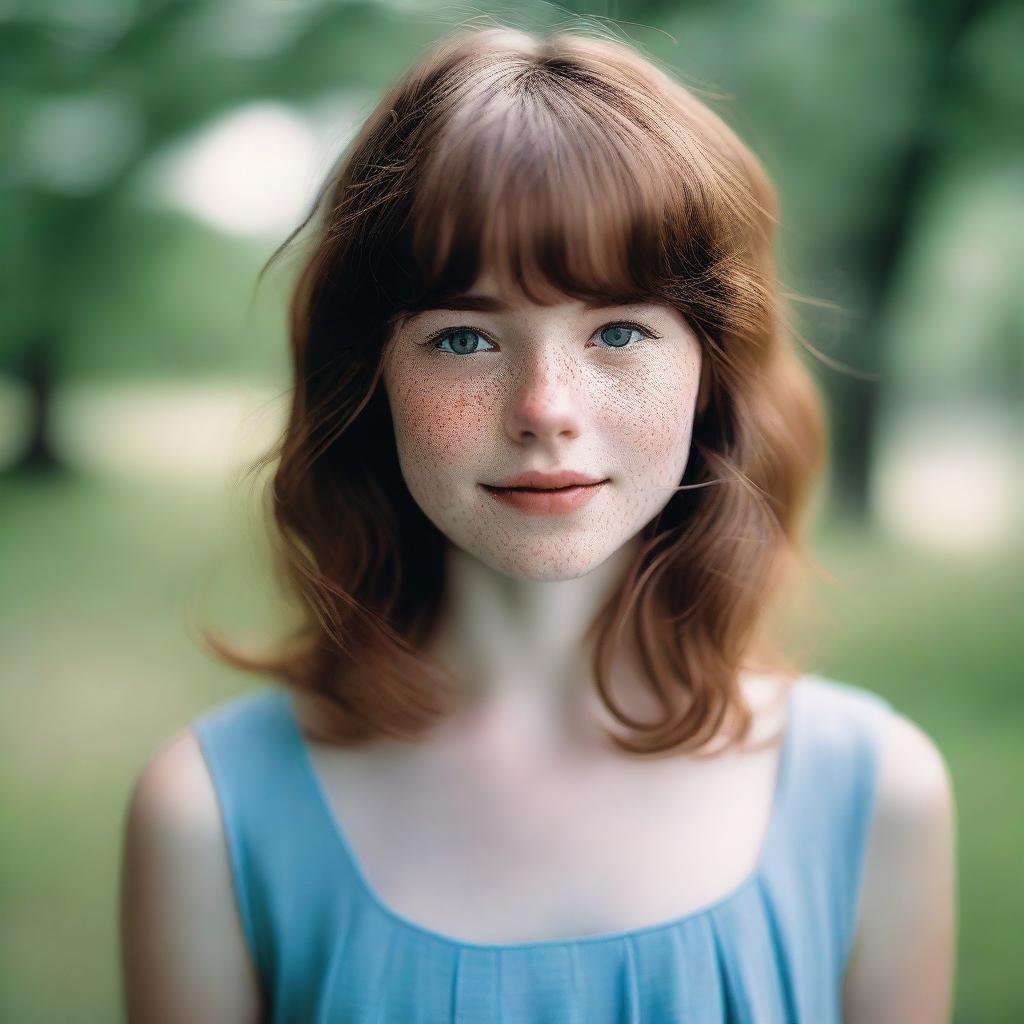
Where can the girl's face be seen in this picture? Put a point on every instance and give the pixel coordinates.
(493, 389)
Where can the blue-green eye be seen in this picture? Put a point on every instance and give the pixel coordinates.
(620, 334)
(463, 339)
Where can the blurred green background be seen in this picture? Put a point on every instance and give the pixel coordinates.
(157, 152)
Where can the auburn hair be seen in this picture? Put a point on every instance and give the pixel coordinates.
(570, 164)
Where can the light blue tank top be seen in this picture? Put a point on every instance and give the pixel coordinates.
(327, 948)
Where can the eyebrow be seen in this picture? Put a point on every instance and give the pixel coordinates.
(491, 304)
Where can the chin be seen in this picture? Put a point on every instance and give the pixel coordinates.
(530, 561)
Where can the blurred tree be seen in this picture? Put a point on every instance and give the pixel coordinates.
(92, 92)
(879, 249)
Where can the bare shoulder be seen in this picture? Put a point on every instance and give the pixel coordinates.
(174, 787)
(914, 783)
(183, 949)
(902, 959)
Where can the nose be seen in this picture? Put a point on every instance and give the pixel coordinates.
(545, 401)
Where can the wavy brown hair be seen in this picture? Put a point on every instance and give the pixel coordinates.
(573, 165)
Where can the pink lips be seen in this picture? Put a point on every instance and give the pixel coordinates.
(537, 502)
(538, 479)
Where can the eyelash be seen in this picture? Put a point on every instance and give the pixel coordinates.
(434, 340)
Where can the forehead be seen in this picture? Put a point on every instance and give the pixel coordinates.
(488, 294)
(502, 296)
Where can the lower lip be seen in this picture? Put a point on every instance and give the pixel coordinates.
(546, 503)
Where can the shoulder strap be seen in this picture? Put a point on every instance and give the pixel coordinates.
(236, 739)
(831, 778)
(274, 832)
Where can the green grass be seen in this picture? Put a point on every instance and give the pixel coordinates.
(98, 671)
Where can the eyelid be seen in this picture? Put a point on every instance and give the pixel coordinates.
(437, 336)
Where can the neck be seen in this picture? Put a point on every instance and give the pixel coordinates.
(517, 647)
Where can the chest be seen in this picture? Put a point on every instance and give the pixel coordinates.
(540, 855)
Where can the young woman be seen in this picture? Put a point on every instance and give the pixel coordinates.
(531, 755)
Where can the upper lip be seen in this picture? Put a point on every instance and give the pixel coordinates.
(547, 481)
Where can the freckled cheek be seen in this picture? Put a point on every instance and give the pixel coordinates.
(435, 424)
(650, 417)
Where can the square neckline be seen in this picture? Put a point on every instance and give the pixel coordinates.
(325, 811)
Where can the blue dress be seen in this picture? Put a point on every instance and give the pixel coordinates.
(327, 948)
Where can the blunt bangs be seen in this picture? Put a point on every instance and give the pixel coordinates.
(556, 193)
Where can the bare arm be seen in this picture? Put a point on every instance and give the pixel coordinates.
(902, 963)
(183, 952)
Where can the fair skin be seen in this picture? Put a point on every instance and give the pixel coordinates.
(541, 388)
(535, 387)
